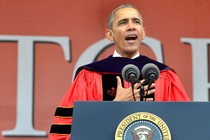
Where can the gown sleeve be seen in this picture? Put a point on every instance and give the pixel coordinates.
(169, 87)
(86, 86)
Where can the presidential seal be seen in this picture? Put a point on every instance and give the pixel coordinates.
(142, 126)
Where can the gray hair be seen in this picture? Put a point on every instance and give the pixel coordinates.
(112, 15)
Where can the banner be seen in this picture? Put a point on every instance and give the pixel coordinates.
(43, 42)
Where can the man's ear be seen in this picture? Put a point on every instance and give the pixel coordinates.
(109, 34)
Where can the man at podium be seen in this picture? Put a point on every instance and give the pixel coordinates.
(101, 81)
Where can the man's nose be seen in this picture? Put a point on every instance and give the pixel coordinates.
(131, 25)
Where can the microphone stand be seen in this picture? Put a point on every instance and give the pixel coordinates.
(141, 92)
(132, 85)
(150, 81)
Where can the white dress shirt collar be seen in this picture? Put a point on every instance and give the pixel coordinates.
(116, 54)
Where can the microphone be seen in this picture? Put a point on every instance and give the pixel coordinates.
(131, 73)
(150, 72)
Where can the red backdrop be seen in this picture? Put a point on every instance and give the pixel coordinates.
(84, 23)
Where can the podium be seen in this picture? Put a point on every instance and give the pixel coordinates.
(100, 120)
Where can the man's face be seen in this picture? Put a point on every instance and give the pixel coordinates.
(127, 31)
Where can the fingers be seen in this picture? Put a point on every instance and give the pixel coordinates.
(152, 91)
(147, 91)
(125, 94)
(137, 85)
(151, 87)
(142, 81)
(149, 99)
(147, 94)
(119, 83)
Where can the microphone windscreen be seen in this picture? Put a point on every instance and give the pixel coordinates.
(149, 70)
(128, 70)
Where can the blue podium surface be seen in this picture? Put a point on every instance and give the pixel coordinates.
(99, 120)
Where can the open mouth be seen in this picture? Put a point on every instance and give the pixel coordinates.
(131, 37)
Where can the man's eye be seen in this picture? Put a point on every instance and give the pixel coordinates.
(137, 21)
(122, 22)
